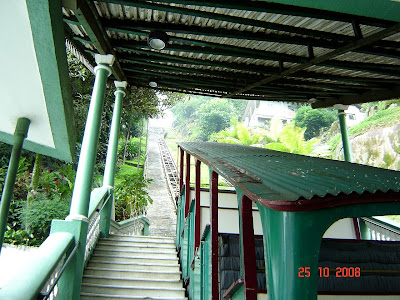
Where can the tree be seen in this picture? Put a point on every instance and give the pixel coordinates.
(213, 116)
(313, 120)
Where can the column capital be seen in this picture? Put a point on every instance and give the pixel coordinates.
(105, 59)
(121, 84)
(341, 106)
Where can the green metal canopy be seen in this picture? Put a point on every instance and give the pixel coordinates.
(291, 182)
(34, 82)
(324, 52)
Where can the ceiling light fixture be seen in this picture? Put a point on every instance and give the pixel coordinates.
(157, 40)
(153, 83)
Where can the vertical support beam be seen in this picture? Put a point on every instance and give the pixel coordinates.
(77, 222)
(187, 185)
(20, 132)
(182, 153)
(348, 156)
(248, 268)
(345, 134)
(111, 160)
(87, 158)
(197, 215)
(214, 234)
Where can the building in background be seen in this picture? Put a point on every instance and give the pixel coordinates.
(259, 113)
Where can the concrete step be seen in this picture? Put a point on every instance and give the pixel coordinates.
(128, 291)
(122, 265)
(141, 238)
(132, 259)
(118, 247)
(90, 296)
(134, 283)
(133, 253)
(136, 244)
(127, 274)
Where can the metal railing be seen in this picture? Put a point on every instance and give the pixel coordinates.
(170, 169)
(381, 229)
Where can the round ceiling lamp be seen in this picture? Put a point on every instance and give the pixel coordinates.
(157, 40)
(153, 83)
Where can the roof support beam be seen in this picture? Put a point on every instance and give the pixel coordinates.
(87, 16)
(323, 58)
(369, 96)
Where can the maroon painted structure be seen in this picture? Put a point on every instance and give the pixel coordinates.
(248, 255)
(197, 207)
(214, 236)
(187, 184)
(182, 153)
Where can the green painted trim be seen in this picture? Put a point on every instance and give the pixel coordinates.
(384, 9)
(29, 280)
(69, 285)
(48, 38)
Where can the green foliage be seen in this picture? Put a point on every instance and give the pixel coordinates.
(132, 148)
(131, 196)
(213, 116)
(237, 133)
(20, 237)
(37, 216)
(313, 120)
(292, 140)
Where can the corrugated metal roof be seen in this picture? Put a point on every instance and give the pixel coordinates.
(248, 44)
(269, 175)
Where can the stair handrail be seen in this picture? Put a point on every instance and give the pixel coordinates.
(98, 199)
(29, 281)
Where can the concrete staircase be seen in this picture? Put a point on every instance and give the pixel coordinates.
(133, 267)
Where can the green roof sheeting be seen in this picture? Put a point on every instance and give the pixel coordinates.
(298, 182)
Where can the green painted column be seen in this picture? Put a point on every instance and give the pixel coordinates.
(291, 248)
(348, 156)
(19, 136)
(109, 172)
(77, 221)
(84, 174)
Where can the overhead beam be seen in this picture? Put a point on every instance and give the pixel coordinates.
(88, 18)
(369, 96)
(323, 58)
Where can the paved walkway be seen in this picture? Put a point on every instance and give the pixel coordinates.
(161, 213)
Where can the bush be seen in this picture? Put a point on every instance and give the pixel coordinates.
(37, 215)
(132, 147)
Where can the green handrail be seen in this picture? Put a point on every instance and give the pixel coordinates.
(27, 282)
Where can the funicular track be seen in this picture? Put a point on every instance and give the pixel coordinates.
(170, 169)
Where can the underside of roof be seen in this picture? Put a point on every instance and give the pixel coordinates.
(345, 52)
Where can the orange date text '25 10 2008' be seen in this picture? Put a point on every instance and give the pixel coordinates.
(326, 272)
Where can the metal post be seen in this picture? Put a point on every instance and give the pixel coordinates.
(197, 211)
(111, 160)
(214, 234)
(345, 134)
(84, 174)
(187, 185)
(19, 136)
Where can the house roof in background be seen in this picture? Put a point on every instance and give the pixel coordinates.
(338, 52)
